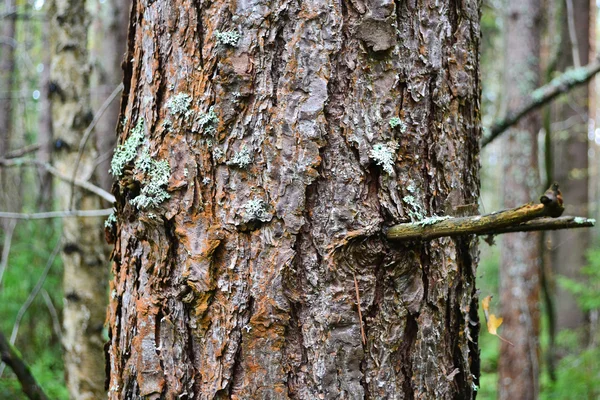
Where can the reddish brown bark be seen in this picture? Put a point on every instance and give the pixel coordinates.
(518, 367)
(216, 297)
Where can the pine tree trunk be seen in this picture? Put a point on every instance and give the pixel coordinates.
(283, 170)
(84, 259)
(518, 367)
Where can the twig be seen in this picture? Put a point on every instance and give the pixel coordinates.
(434, 227)
(59, 214)
(10, 356)
(543, 95)
(53, 314)
(8, 235)
(87, 134)
(77, 182)
(547, 224)
(362, 329)
(22, 151)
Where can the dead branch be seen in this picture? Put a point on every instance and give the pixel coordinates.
(59, 214)
(513, 220)
(543, 95)
(54, 171)
(10, 356)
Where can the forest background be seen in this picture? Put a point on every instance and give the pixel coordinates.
(32, 293)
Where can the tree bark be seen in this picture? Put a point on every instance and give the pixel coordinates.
(84, 259)
(570, 155)
(283, 172)
(518, 367)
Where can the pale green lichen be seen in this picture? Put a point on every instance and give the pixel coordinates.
(218, 154)
(180, 104)
(157, 175)
(229, 38)
(384, 155)
(111, 220)
(127, 151)
(209, 121)
(397, 122)
(242, 159)
(256, 209)
(432, 220)
(415, 211)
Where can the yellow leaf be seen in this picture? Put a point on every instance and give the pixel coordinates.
(493, 324)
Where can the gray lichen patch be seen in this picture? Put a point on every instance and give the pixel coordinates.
(397, 122)
(127, 151)
(111, 220)
(209, 121)
(157, 175)
(384, 155)
(180, 104)
(256, 210)
(242, 159)
(229, 38)
(415, 210)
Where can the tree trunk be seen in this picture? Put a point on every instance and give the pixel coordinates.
(109, 39)
(518, 368)
(84, 261)
(570, 156)
(289, 148)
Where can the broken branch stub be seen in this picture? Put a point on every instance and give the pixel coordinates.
(551, 205)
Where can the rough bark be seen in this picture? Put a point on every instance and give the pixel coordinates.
(570, 119)
(108, 43)
(219, 295)
(84, 261)
(518, 367)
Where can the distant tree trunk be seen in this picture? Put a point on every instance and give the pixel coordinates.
(7, 75)
(518, 368)
(570, 164)
(84, 261)
(44, 154)
(7, 68)
(239, 281)
(108, 44)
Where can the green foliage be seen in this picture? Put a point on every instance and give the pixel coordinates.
(39, 345)
(587, 293)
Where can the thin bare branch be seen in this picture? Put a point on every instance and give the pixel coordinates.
(543, 95)
(8, 234)
(59, 214)
(22, 151)
(77, 182)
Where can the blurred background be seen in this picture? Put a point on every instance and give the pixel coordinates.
(546, 286)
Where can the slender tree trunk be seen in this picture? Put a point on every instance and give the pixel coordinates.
(45, 135)
(7, 77)
(108, 43)
(241, 280)
(84, 261)
(570, 154)
(518, 368)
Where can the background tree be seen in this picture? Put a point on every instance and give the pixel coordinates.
(518, 368)
(264, 150)
(83, 253)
